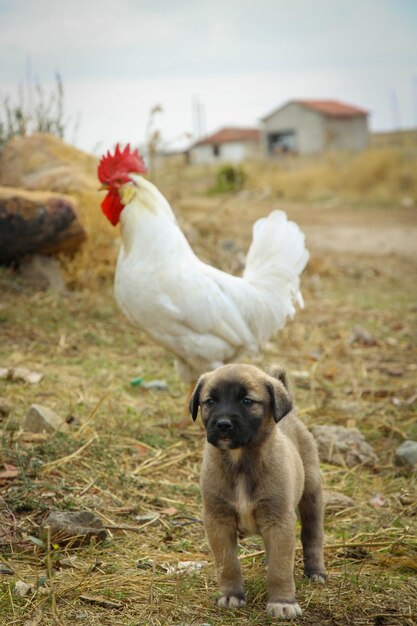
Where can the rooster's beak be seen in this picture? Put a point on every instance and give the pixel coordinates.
(104, 187)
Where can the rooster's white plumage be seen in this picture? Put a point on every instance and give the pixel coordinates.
(204, 316)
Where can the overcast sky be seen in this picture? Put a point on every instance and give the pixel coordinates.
(239, 59)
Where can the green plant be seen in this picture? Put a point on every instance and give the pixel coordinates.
(36, 111)
(229, 178)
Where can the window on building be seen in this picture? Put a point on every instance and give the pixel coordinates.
(282, 142)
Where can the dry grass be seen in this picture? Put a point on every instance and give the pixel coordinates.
(380, 176)
(124, 459)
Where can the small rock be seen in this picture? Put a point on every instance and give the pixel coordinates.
(5, 407)
(42, 272)
(406, 498)
(37, 223)
(80, 525)
(361, 336)
(407, 202)
(337, 501)
(20, 374)
(82, 615)
(42, 419)
(5, 569)
(22, 589)
(406, 454)
(343, 446)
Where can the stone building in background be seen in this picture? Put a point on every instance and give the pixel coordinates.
(228, 145)
(313, 126)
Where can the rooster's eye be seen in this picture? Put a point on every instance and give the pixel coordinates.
(208, 402)
(247, 401)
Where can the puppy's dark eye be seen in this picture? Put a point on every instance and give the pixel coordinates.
(208, 402)
(247, 401)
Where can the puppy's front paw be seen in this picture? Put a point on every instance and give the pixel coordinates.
(284, 610)
(230, 601)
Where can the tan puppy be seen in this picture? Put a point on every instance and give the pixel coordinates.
(255, 473)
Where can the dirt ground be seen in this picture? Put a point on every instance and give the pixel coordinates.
(391, 233)
(366, 231)
(125, 460)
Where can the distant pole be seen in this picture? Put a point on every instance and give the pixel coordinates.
(198, 118)
(395, 110)
(203, 119)
(29, 88)
(414, 98)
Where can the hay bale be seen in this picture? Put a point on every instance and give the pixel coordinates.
(42, 161)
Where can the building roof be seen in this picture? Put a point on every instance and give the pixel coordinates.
(329, 108)
(229, 135)
(333, 108)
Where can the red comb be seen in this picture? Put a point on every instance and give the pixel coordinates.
(115, 168)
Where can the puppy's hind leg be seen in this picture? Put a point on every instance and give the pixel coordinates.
(312, 536)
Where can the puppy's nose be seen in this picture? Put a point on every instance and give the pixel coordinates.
(224, 424)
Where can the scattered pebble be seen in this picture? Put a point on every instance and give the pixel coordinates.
(43, 272)
(343, 446)
(22, 589)
(406, 454)
(81, 615)
(42, 419)
(80, 525)
(5, 569)
(335, 501)
(5, 407)
(20, 374)
(363, 337)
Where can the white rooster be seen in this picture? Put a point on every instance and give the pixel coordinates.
(204, 316)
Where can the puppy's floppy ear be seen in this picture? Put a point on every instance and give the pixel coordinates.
(280, 373)
(195, 398)
(281, 402)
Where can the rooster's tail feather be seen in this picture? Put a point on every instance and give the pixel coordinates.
(275, 260)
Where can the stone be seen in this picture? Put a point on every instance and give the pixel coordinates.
(20, 375)
(75, 526)
(337, 501)
(37, 222)
(41, 419)
(406, 454)
(5, 407)
(43, 272)
(343, 446)
(363, 337)
(5, 569)
(22, 589)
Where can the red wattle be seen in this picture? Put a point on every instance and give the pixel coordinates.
(112, 206)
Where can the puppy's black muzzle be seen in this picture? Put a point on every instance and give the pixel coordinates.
(224, 425)
(220, 429)
(227, 431)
